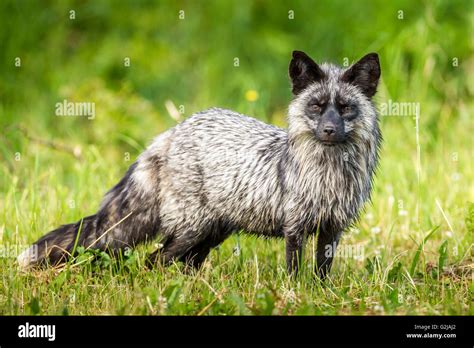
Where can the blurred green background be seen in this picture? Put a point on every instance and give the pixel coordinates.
(186, 52)
(199, 54)
(191, 61)
(54, 170)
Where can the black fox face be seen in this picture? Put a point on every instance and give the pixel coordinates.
(330, 103)
(327, 118)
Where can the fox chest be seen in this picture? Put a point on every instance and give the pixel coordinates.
(327, 200)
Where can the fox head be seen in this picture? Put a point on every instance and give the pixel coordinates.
(332, 105)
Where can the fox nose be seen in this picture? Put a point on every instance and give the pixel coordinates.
(329, 130)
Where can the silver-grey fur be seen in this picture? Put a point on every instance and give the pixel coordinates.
(219, 172)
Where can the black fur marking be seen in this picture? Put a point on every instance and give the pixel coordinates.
(303, 71)
(364, 74)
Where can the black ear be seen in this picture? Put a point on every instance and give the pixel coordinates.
(303, 71)
(364, 74)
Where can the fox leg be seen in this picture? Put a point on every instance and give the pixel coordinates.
(328, 240)
(172, 250)
(294, 233)
(193, 255)
(294, 251)
(197, 254)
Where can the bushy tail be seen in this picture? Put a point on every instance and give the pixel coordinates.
(128, 215)
(58, 244)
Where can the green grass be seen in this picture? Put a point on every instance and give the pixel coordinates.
(416, 235)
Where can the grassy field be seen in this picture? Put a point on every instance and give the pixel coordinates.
(411, 252)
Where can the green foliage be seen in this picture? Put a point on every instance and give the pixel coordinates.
(54, 170)
(34, 306)
(470, 218)
(443, 255)
(419, 250)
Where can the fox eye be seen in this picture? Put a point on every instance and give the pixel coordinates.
(316, 106)
(346, 109)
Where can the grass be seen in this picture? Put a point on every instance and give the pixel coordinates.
(403, 270)
(413, 244)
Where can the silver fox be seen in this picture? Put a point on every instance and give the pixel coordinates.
(220, 172)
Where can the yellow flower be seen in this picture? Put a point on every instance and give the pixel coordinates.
(251, 95)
